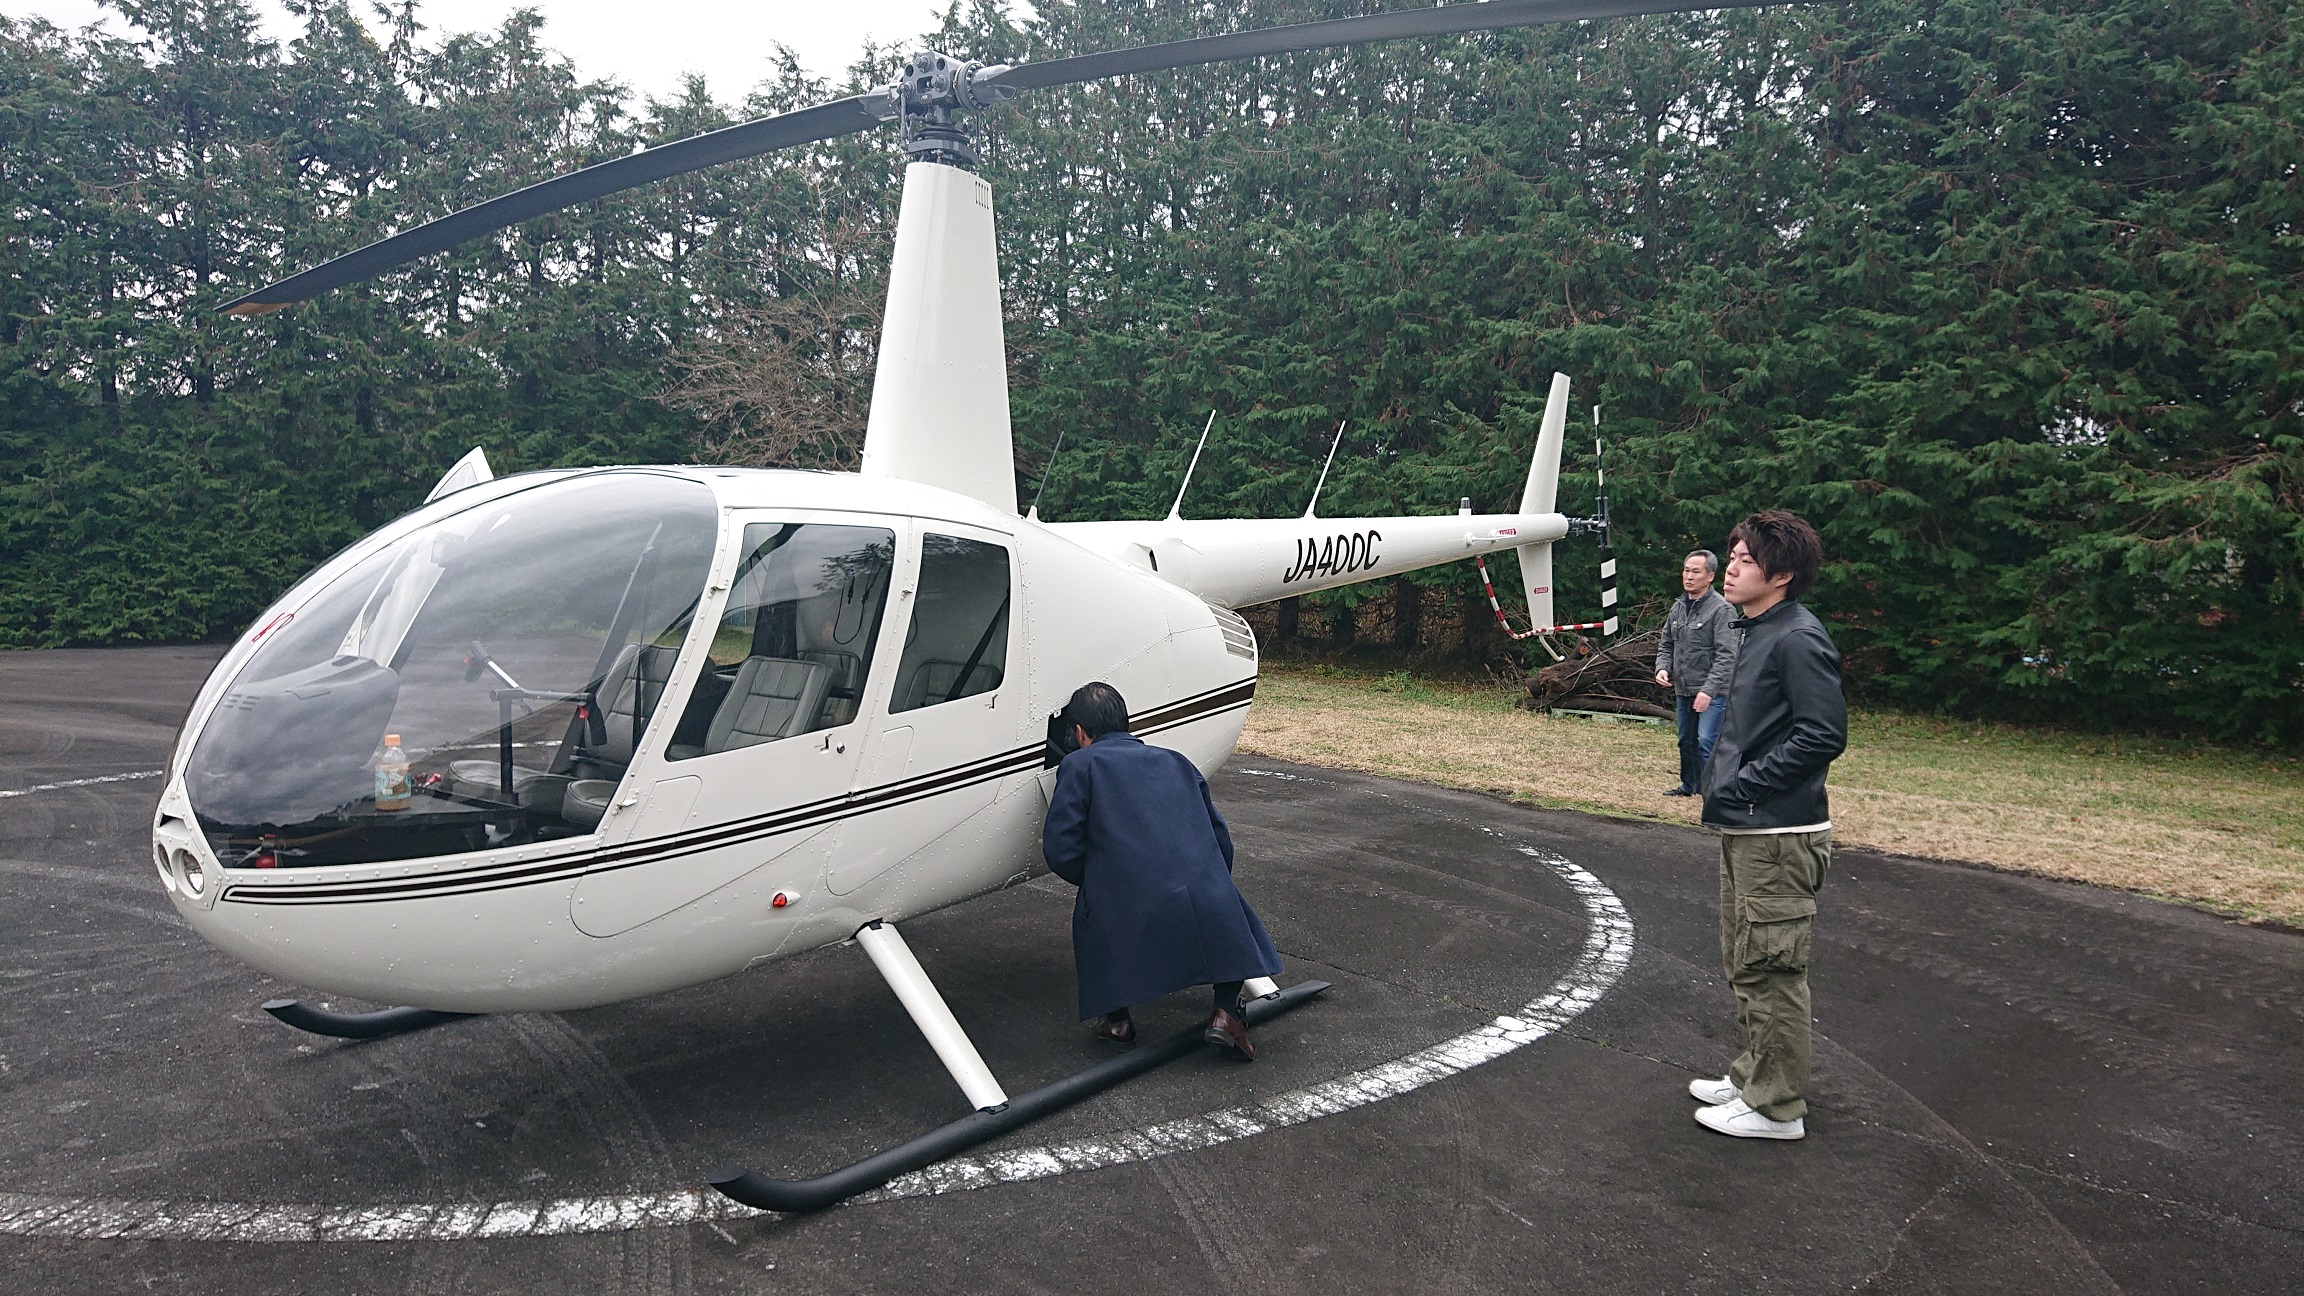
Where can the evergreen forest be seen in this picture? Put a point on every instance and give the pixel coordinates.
(2005, 297)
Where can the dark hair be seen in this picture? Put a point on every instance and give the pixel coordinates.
(1711, 559)
(1097, 708)
(1780, 543)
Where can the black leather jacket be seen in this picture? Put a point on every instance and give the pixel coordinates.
(1786, 722)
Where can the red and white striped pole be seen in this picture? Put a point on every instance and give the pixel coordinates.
(1533, 631)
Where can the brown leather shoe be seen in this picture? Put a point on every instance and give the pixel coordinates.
(1116, 1030)
(1230, 1036)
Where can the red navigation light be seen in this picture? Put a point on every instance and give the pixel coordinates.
(782, 899)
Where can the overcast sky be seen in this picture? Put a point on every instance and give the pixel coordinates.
(647, 44)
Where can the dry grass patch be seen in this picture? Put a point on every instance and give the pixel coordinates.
(2208, 825)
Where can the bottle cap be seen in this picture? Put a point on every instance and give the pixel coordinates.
(391, 740)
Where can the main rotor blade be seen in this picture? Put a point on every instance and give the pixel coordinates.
(863, 112)
(804, 126)
(1396, 25)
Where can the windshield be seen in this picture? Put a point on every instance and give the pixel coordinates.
(483, 682)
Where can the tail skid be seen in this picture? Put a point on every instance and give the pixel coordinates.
(1608, 574)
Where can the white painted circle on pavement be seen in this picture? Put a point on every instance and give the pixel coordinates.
(1606, 953)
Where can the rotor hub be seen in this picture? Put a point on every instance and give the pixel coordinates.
(933, 98)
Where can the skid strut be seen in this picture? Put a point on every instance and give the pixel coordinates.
(369, 1025)
(918, 995)
(758, 1190)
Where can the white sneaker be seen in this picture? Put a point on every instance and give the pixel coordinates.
(1739, 1121)
(1712, 1092)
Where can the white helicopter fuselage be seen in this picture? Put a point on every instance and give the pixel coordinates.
(884, 817)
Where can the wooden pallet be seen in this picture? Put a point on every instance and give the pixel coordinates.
(1617, 716)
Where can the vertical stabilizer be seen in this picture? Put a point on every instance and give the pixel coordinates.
(1541, 496)
(940, 395)
(1543, 490)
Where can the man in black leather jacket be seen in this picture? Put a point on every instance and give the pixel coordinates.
(1764, 791)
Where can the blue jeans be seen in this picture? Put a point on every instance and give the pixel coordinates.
(1698, 731)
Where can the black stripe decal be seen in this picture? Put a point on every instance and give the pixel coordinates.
(815, 814)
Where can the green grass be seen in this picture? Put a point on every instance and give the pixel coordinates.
(2208, 825)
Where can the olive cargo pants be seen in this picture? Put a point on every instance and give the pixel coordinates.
(1768, 885)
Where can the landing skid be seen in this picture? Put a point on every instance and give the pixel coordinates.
(370, 1025)
(757, 1190)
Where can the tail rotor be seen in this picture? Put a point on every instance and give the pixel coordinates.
(1536, 560)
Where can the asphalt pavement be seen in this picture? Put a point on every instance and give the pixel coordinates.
(2020, 1085)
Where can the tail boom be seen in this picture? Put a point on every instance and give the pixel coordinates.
(1241, 562)
(1238, 563)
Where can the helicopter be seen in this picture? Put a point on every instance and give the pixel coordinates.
(571, 737)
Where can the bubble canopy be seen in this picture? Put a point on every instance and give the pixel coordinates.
(517, 648)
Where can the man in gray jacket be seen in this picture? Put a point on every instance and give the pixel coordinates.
(1695, 661)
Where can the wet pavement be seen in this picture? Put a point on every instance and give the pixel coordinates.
(2020, 1085)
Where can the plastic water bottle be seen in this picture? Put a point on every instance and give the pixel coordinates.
(393, 791)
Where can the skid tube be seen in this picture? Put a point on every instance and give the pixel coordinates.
(369, 1025)
(759, 1191)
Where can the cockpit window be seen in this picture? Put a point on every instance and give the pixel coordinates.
(794, 644)
(535, 631)
(957, 644)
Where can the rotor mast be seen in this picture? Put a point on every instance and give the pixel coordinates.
(939, 412)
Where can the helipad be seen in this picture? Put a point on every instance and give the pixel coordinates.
(2018, 1083)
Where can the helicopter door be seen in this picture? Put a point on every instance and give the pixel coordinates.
(951, 713)
(766, 748)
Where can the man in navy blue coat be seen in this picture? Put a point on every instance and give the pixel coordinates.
(1134, 828)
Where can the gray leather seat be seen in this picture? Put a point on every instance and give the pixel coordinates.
(772, 697)
(629, 693)
(585, 802)
(484, 780)
(846, 669)
(936, 681)
(843, 689)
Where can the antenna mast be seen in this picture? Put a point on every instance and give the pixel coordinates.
(1316, 486)
(1047, 471)
(1176, 510)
